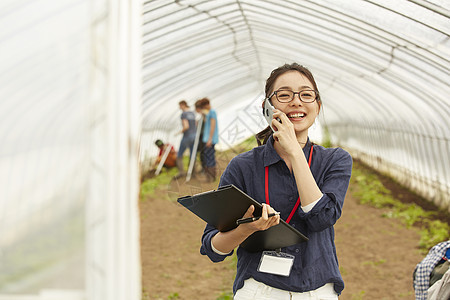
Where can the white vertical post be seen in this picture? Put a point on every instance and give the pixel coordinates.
(113, 256)
(163, 159)
(194, 149)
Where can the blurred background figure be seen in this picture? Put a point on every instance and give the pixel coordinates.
(210, 138)
(201, 144)
(170, 160)
(432, 275)
(188, 131)
(166, 159)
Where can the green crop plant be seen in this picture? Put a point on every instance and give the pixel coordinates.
(149, 186)
(370, 190)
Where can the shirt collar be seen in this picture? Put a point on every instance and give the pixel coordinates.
(271, 156)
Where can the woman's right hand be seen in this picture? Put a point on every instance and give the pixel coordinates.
(264, 222)
(225, 242)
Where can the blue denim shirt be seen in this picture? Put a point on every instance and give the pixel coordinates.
(315, 261)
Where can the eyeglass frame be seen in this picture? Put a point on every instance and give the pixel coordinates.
(293, 96)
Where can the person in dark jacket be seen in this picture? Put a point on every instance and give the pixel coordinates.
(304, 182)
(187, 141)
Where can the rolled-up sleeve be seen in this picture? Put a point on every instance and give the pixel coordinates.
(334, 187)
(206, 248)
(231, 175)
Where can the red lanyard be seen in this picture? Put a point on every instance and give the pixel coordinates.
(267, 187)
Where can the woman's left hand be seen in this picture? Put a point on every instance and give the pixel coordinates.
(285, 132)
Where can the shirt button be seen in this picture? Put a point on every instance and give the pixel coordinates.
(297, 250)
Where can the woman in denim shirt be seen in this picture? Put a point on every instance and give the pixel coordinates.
(305, 183)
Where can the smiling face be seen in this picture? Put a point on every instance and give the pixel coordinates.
(301, 114)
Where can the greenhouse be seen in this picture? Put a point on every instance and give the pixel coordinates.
(88, 87)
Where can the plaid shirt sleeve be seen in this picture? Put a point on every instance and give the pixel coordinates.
(424, 268)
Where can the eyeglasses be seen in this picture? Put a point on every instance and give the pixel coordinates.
(286, 96)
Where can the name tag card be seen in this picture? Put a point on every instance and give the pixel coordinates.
(277, 263)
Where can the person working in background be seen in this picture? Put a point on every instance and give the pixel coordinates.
(306, 184)
(201, 144)
(189, 131)
(171, 157)
(210, 138)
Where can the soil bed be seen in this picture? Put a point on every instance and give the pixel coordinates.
(377, 255)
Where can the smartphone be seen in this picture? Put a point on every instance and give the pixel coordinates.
(268, 113)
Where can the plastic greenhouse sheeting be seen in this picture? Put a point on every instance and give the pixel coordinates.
(69, 130)
(88, 86)
(382, 67)
(44, 154)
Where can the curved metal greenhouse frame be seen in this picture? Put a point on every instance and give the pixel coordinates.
(87, 86)
(383, 69)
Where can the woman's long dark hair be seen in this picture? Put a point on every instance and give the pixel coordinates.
(263, 136)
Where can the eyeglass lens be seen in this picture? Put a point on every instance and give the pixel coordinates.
(306, 96)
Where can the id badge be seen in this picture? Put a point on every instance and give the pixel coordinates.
(277, 263)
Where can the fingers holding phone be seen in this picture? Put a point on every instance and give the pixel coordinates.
(268, 111)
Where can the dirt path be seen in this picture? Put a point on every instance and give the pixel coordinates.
(377, 255)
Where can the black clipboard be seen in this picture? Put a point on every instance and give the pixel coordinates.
(222, 207)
